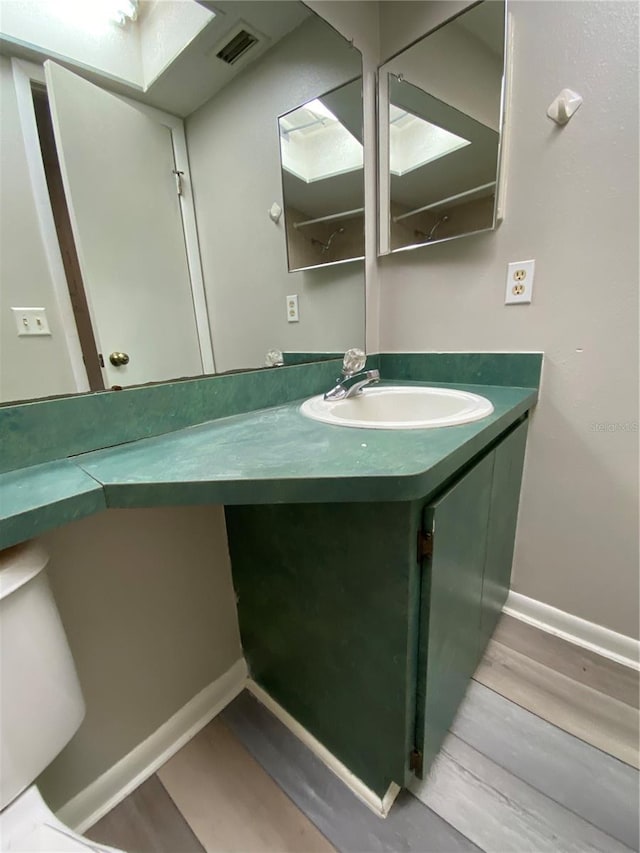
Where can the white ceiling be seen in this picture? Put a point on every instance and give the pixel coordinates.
(197, 74)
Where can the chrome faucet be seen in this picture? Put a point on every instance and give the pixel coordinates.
(354, 377)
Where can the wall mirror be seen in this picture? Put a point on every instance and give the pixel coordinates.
(322, 161)
(141, 163)
(440, 124)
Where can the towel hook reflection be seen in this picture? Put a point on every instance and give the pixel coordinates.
(427, 237)
(442, 219)
(324, 247)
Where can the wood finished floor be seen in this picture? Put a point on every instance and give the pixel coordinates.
(572, 688)
(542, 756)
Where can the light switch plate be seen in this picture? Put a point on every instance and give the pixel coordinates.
(292, 308)
(519, 282)
(31, 321)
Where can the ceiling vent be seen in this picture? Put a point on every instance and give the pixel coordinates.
(237, 47)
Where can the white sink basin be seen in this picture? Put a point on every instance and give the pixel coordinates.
(400, 407)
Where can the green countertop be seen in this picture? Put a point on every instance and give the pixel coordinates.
(279, 456)
(274, 455)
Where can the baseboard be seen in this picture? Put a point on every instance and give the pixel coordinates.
(380, 806)
(617, 647)
(119, 781)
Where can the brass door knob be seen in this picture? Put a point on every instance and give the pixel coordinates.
(117, 359)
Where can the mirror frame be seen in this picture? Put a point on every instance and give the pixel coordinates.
(383, 146)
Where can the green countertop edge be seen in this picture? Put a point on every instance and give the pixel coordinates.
(45, 496)
(21, 520)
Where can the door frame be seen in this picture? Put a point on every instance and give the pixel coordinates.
(24, 74)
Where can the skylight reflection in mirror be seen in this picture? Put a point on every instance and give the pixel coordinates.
(315, 145)
(414, 142)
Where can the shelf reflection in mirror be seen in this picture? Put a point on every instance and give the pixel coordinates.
(216, 127)
(440, 129)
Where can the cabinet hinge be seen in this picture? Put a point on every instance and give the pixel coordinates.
(415, 761)
(425, 545)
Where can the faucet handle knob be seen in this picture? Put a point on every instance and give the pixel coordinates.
(354, 361)
(274, 358)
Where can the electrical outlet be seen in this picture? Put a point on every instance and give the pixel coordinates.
(292, 309)
(520, 282)
(31, 321)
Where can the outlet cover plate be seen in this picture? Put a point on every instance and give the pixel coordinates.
(293, 315)
(519, 282)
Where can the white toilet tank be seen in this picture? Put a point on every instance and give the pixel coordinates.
(41, 704)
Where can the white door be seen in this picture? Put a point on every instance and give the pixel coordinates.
(117, 168)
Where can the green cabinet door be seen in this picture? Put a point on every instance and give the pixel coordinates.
(503, 516)
(451, 603)
(327, 603)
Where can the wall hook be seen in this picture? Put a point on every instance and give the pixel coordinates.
(275, 212)
(564, 106)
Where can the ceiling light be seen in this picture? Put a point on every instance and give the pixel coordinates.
(124, 11)
(96, 15)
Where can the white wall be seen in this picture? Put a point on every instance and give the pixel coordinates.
(29, 366)
(457, 68)
(235, 168)
(147, 602)
(572, 205)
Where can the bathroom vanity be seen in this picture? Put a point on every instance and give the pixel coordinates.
(365, 621)
(370, 565)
